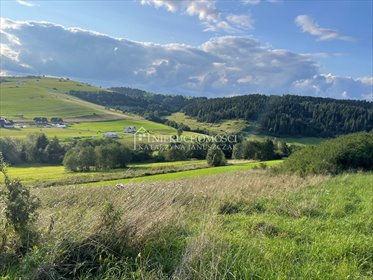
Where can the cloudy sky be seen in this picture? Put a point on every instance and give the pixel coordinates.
(205, 48)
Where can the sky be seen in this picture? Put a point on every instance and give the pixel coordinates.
(203, 48)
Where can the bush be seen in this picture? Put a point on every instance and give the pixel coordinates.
(215, 156)
(349, 152)
(20, 213)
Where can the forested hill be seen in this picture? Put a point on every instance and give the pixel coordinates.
(137, 101)
(289, 114)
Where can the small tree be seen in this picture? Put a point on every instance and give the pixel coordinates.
(179, 131)
(20, 210)
(54, 151)
(215, 156)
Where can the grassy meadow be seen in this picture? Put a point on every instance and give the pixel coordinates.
(237, 127)
(45, 175)
(45, 97)
(251, 224)
(229, 126)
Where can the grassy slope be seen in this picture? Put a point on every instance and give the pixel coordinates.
(238, 126)
(230, 126)
(241, 225)
(190, 173)
(46, 97)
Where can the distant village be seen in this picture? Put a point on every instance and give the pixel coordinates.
(55, 122)
(39, 122)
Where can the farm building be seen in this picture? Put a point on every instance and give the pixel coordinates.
(130, 129)
(40, 121)
(5, 123)
(57, 120)
(111, 134)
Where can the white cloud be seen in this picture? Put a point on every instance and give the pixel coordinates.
(207, 13)
(255, 2)
(328, 85)
(25, 3)
(241, 21)
(308, 25)
(221, 66)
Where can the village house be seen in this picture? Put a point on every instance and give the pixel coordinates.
(40, 121)
(130, 129)
(57, 121)
(5, 123)
(111, 135)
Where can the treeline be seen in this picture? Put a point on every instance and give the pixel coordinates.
(36, 148)
(288, 115)
(262, 150)
(345, 153)
(150, 105)
(103, 154)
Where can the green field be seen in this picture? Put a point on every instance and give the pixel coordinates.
(44, 175)
(239, 126)
(46, 97)
(248, 224)
(229, 126)
(289, 140)
(190, 173)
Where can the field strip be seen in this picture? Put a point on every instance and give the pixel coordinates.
(186, 174)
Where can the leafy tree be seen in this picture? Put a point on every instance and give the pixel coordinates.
(12, 150)
(54, 151)
(35, 147)
(215, 156)
(175, 152)
(238, 151)
(111, 156)
(179, 132)
(80, 159)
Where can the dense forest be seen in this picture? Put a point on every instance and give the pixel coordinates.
(287, 115)
(137, 101)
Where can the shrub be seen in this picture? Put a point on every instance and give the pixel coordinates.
(344, 153)
(20, 212)
(215, 156)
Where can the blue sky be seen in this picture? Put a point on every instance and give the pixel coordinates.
(323, 47)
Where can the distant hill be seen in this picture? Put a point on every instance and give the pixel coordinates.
(138, 101)
(287, 115)
(48, 97)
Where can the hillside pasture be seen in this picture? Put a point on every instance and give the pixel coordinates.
(46, 97)
(228, 126)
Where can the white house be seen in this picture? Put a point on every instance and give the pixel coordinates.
(111, 134)
(61, 125)
(130, 129)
